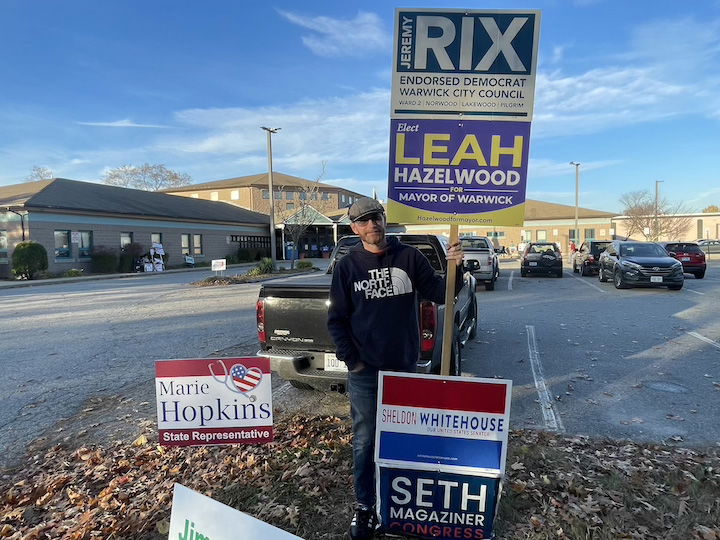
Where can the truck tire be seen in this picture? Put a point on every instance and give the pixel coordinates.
(456, 358)
(301, 385)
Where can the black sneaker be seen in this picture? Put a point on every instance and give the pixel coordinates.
(363, 524)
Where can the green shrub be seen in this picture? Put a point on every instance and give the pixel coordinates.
(265, 266)
(304, 265)
(243, 255)
(73, 272)
(104, 260)
(128, 254)
(28, 259)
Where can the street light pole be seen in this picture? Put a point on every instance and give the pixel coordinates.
(657, 201)
(270, 131)
(577, 197)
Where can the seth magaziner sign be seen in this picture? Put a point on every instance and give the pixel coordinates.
(475, 63)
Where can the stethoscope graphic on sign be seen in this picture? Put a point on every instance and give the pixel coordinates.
(240, 379)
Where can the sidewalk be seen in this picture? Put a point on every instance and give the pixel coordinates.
(232, 269)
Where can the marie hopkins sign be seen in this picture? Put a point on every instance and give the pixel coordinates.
(462, 102)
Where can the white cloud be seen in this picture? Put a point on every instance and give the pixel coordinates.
(125, 123)
(339, 37)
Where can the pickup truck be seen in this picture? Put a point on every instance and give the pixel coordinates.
(482, 250)
(292, 322)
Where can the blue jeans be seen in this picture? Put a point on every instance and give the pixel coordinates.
(363, 389)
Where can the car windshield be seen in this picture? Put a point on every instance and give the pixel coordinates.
(474, 243)
(599, 247)
(642, 250)
(543, 248)
(685, 248)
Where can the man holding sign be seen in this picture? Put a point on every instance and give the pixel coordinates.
(373, 320)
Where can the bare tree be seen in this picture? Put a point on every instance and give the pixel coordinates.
(667, 220)
(297, 220)
(711, 208)
(147, 177)
(39, 173)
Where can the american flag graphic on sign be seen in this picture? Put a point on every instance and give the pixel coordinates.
(245, 379)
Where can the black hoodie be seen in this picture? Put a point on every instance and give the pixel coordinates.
(373, 313)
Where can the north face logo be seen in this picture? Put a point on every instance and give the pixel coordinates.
(384, 282)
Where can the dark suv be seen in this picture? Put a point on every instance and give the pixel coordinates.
(541, 258)
(585, 259)
(630, 263)
(690, 255)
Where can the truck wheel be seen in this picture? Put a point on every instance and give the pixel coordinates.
(455, 358)
(583, 270)
(490, 285)
(301, 385)
(473, 318)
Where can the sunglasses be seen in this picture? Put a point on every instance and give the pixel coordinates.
(376, 217)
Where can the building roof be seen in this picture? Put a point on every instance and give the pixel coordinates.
(72, 195)
(280, 180)
(544, 211)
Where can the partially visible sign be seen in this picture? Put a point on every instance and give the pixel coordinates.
(197, 517)
(456, 423)
(219, 265)
(211, 401)
(189, 259)
(437, 504)
(158, 248)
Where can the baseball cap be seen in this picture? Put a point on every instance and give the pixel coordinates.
(364, 207)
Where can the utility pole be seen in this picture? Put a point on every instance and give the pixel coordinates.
(270, 131)
(577, 200)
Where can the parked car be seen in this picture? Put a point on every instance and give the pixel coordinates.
(631, 264)
(541, 258)
(482, 250)
(710, 246)
(690, 256)
(585, 259)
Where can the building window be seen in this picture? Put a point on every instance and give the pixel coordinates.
(325, 196)
(589, 234)
(213, 195)
(197, 244)
(156, 238)
(700, 232)
(3, 245)
(289, 195)
(265, 194)
(541, 235)
(290, 206)
(278, 195)
(185, 244)
(303, 196)
(62, 244)
(235, 195)
(342, 198)
(572, 235)
(313, 196)
(85, 244)
(125, 239)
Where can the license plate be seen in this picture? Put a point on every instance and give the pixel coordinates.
(684, 258)
(655, 279)
(333, 364)
(533, 264)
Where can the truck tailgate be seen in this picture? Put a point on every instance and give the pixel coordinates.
(286, 330)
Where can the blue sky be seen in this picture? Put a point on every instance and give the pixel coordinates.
(630, 89)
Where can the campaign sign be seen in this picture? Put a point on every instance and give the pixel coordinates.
(210, 401)
(437, 504)
(469, 172)
(450, 423)
(197, 517)
(471, 63)
(218, 265)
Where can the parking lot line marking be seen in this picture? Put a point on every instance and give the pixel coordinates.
(512, 273)
(706, 340)
(696, 292)
(581, 280)
(553, 421)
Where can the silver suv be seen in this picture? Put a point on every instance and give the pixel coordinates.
(482, 250)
